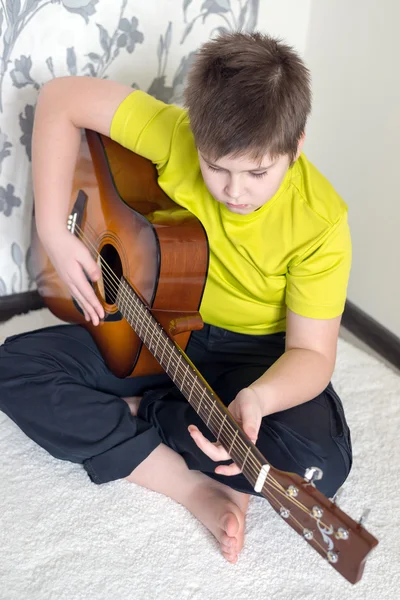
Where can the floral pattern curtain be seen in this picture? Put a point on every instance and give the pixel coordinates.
(147, 45)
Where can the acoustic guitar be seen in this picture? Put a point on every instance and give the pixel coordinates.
(153, 257)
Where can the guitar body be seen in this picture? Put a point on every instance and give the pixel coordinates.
(158, 247)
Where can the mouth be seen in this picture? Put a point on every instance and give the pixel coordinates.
(237, 205)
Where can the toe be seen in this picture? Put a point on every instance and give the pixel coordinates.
(228, 542)
(230, 524)
(230, 557)
(226, 549)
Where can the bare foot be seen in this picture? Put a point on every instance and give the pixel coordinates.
(133, 403)
(222, 510)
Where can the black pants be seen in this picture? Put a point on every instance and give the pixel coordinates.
(56, 387)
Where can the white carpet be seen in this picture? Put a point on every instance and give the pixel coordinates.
(63, 538)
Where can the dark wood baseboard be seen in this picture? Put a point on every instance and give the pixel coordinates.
(372, 333)
(369, 331)
(17, 304)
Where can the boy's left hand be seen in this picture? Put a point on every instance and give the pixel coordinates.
(246, 410)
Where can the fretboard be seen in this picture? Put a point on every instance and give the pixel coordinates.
(188, 380)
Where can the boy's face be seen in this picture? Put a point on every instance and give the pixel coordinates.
(242, 184)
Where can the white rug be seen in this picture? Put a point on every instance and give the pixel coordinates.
(63, 538)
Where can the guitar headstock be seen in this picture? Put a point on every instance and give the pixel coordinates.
(343, 542)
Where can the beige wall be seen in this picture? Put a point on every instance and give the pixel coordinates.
(353, 51)
(287, 19)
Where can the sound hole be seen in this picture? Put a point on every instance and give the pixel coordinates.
(111, 269)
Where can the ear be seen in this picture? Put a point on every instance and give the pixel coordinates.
(300, 145)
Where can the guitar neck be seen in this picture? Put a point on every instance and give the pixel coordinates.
(324, 526)
(190, 382)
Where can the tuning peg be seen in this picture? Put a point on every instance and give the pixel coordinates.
(337, 496)
(364, 517)
(313, 474)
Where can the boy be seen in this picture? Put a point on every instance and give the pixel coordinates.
(279, 265)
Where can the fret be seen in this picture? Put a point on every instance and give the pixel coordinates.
(201, 400)
(153, 335)
(177, 366)
(211, 411)
(185, 373)
(221, 426)
(233, 441)
(122, 299)
(191, 390)
(150, 342)
(146, 333)
(118, 298)
(169, 360)
(141, 328)
(246, 457)
(164, 344)
(124, 296)
(163, 350)
(141, 322)
(139, 325)
(158, 337)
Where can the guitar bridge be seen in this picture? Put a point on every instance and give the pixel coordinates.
(76, 216)
(71, 223)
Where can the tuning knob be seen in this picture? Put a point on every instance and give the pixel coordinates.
(337, 496)
(364, 517)
(313, 474)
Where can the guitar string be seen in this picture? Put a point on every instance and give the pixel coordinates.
(273, 499)
(277, 485)
(204, 400)
(255, 462)
(298, 523)
(283, 493)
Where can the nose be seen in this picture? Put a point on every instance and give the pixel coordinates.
(233, 188)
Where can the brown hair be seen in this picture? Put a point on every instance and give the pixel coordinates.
(247, 94)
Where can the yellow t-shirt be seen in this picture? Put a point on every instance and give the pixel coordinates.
(294, 251)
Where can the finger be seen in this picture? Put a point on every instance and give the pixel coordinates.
(229, 470)
(251, 419)
(214, 451)
(87, 291)
(88, 311)
(85, 314)
(87, 318)
(90, 266)
(86, 307)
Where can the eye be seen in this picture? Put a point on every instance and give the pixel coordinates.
(214, 169)
(259, 175)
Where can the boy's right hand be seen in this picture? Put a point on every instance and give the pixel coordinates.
(65, 106)
(71, 259)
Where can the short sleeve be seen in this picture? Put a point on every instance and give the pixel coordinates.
(146, 126)
(317, 284)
